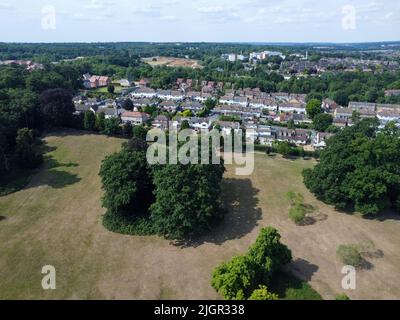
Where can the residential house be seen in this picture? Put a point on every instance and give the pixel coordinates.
(297, 136)
(98, 82)
(228, 126)
(134, 117)
(169, 105)
(320, 138)
(388, 116)
(109, 112)
(194, 106)
(161, 122)
(394, 92)
(297, 107)
(362, 105)
(125, 83)
(143, 92)
(143, 83)
(329, 105)
(343, 114)
(143, 102)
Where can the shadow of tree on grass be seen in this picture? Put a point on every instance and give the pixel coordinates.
(53, 172)
(239, 197)
(303, 269)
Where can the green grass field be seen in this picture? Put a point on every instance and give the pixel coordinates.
(118, 90)
(57, 220)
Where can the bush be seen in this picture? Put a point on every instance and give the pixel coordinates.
(297, 214)
(263, 294)
(349, 255)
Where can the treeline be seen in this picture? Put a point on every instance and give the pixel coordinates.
(29, 103)
(346, 86)
(359, 169)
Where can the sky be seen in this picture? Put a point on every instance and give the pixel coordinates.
(199, 20)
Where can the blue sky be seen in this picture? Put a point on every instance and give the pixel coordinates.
(199, 20)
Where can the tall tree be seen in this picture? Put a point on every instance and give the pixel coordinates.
(359, 168)
(57, 107)
(89, 120)
(187, 199)
(126, 182)
(314, 107)
(27, 152)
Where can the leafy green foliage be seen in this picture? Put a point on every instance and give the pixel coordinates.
(342, 296)
(57, 106)
(139, 132)
(359, 169)
(238, 278)
(322, 121)
(235, 279)
(289, 287)
(187, 199)
(100, 122)
(263, 294)
(126, 182)
(89, 120)
(27, 151)
(314, 107)
(269, 254)
(297, 214)
(112, 126)
(175, 201)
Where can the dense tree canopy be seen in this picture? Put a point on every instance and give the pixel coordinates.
(28, 154)
(313, 108)
(322, 121)
(238, 278)
(126, 182)
(57, 107)
(187, 199)
(359, 169)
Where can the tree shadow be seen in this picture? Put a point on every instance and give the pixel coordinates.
(388, 214)
(303, 269)
(365, 265)
(2, 218)
(313, 218)
(52, 173)
(66, 132)
(239, 198)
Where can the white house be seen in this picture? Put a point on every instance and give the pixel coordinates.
(144, 92)
(135, 118)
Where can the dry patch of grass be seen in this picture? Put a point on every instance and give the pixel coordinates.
(56, 220)
(173, 62)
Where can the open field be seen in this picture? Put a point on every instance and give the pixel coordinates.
(118, 89)
(56, 220)
(173, 62)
